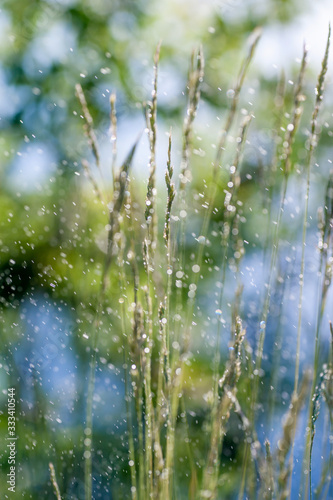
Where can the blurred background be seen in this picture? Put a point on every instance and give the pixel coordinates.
(52, 230)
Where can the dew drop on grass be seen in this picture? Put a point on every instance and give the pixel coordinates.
(262, 325)
(230, 93)
(195, 268)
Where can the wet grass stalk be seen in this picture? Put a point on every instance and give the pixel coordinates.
(137, 369)
(173, 366)
(113, 132)
(280, 287)
(149, 246)
(54, 481)
(230, 218)
(114, 209)
(267, 488)
(313, 140)
(234, 179)
(312, 146)
(164, 372)
(195, 78)
(286, 442)
(89, 129)
(253, 42)
(285, 163)
(270, 181)
(217, 166)
(227, 393)
(207, 217)
(171, 191)
(327, 392)
(325, 224)
(122, 287)
(135, 340)
(127, 362)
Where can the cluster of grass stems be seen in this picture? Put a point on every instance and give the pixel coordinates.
(157, 323)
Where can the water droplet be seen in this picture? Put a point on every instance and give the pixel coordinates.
(262, 325)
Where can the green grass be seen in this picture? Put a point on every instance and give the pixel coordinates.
(158, 289)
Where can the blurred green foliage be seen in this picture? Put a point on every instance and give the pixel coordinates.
(52, 235)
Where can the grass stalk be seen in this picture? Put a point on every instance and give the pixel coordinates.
(286, 166)
(54, 481)
(312, 146)
(115, 207)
